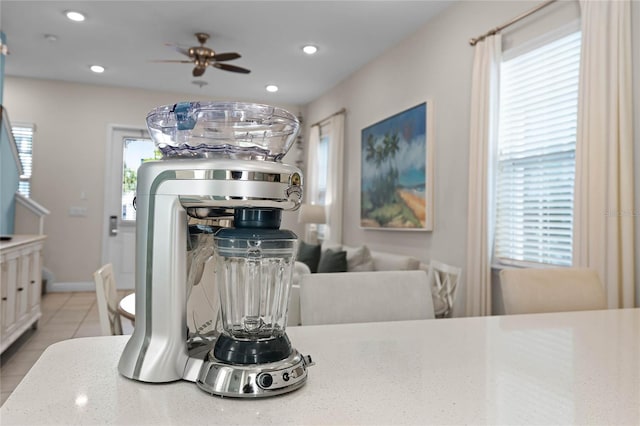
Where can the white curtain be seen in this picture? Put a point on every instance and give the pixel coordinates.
(334, 127)
(482, 141)
(604, 193)
(335, 182)
(310, 184)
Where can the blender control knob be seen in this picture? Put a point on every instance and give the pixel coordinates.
(265, 380)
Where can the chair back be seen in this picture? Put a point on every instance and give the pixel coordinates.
(353, 297)
(527, 291)
(443, 281)
(107, 299)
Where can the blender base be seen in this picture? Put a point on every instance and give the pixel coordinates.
(253, 380)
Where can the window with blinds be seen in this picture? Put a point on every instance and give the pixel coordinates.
(535, 167)
(23, 135)
(322, 158)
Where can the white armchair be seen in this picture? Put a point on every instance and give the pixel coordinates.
(527, 291)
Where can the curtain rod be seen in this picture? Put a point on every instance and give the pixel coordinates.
(342, 111)
(496, 30)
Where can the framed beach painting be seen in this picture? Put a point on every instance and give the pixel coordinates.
(397, 172)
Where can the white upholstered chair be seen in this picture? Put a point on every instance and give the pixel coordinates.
(107, 299)
(353, 297)
(443, 280)
(527, 291)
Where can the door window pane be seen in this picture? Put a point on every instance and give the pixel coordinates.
(135, 152)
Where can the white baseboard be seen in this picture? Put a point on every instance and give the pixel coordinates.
(58, 287)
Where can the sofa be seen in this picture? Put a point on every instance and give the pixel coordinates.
(358, 259)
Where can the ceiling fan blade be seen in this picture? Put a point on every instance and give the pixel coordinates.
(176, 61)
(226, 56)
(232, 68)
(199, 70)
(178, 48)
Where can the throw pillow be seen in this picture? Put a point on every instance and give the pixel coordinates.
(309, 254)
(333, 261)
(359, 259)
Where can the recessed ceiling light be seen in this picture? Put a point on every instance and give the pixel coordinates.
(74, 16)
(97, 69)
(309, 49)
(271, 88)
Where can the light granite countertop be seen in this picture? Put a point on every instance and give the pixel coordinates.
(563, 368)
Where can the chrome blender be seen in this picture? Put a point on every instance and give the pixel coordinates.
(221, 166)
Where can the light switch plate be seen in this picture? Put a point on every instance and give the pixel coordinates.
(78, 211)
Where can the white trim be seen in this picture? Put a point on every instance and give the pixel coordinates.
(517, 264)
(111, 129)
(32, 205)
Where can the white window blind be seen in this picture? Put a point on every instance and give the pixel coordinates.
(23, 135)
(536, 153)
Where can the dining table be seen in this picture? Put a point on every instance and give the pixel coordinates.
(127, 307)
(553, 368)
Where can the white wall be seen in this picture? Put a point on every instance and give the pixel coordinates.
(69, 161)
(433, 64)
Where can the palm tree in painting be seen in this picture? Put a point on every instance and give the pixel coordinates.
(371, 148)
(394, 145)
(382, 153)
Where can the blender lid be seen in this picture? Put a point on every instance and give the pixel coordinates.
(229, 129)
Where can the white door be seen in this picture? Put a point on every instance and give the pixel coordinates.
(127, 149)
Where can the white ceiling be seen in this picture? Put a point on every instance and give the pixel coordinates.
(125, 36)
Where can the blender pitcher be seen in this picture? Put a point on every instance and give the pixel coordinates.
(254, 265)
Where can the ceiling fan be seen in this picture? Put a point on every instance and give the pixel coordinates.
(203, 57)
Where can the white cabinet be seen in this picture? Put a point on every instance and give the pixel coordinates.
(21, 282)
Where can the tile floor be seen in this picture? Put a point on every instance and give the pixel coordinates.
(64, 316)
